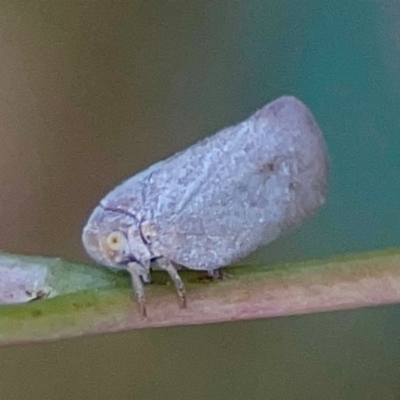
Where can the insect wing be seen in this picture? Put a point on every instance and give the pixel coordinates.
(246, 186)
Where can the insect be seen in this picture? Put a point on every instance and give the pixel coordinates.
(215, 202)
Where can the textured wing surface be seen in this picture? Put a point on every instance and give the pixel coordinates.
(225, 196)
(252, 183)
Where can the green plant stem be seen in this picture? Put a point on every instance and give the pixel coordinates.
(86, 300)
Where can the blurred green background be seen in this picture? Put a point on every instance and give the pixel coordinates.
(92, 92)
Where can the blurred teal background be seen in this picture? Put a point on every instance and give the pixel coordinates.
(92, 92)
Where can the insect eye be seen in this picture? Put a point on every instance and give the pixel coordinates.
(116, 241)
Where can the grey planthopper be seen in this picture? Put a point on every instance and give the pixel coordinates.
(215, 202)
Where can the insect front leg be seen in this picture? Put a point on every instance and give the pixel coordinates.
(167, 266)
(138, 275)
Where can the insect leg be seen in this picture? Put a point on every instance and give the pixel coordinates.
(138, 287)
(167, 266)
(215, 274)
